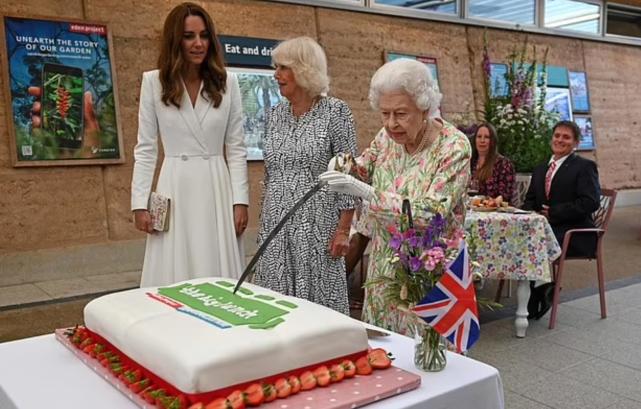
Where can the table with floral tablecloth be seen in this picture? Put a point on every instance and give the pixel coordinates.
(513, 246)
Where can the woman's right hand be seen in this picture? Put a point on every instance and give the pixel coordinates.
(142, 220)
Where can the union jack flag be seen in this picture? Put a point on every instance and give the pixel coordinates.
(450, 307)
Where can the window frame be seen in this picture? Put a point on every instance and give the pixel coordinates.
(605, 21)
(462, 18)
(561, 31)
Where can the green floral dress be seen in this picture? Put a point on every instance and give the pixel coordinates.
(434, 180)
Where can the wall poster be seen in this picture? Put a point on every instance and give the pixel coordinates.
(587, 137)
(250, 58)
(429, 61)
(62, 104)
(579, 91)
(259, 92)
(558, 100)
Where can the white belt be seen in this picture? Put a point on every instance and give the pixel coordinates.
(186, 156)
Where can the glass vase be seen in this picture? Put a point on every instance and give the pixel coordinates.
(429, 349)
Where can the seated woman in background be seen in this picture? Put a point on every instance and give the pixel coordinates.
(416, 156)
(492, 173)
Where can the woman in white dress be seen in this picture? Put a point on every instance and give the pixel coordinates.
(194, 105)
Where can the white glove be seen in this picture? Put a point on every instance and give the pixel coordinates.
(332, 164)
(342, 183)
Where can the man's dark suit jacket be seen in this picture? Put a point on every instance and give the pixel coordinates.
(574, 196)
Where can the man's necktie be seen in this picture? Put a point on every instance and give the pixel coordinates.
(548, 179)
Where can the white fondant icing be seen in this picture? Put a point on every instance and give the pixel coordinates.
(196, 356)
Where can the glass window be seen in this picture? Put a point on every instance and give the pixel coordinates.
(439, 6)
(573, 15)
(624, 21)
(513, 11)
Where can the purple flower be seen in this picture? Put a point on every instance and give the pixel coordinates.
(415, 264)
(414, 241)
(396, 241)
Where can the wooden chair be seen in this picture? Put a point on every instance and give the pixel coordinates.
(601, 219)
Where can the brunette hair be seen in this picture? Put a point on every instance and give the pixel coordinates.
(485, 172)
(171, 61)
(576, 131)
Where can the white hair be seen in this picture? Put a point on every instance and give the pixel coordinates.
(411, 77)
(307, 60)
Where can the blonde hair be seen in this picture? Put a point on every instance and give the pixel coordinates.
(411, 77)
(307, 60)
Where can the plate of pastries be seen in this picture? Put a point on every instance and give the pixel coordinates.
(487, 204)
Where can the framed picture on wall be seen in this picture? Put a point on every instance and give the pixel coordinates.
(587, 136)
(579, 92)
(259, 92)
(429, 61)
(558, 100)
(498, 80)
(61, 101)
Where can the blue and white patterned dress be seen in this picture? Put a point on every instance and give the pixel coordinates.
(296, 151)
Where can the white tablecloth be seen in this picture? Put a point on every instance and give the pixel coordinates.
(40, 372)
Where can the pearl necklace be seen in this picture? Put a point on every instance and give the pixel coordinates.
(423, 142)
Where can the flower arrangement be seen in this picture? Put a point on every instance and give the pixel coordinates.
(521, 121)
(420, 256)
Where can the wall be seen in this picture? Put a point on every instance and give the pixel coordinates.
(59, 209)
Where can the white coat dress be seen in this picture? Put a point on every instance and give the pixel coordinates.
(202, 186)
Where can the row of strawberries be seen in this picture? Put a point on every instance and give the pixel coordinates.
(254, 395)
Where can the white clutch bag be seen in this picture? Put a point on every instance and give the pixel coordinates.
(159, 206)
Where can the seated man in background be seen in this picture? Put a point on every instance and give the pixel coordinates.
(566, 191)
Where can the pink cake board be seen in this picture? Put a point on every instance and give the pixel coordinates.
(347, 394)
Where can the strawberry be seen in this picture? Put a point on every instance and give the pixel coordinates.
(136, 375)
(283, 388)
(379, 359)
(307, 381)
(85, 342)
(116, 368)
(350, 369)
(322, 376)
(254, 395)
(236, 400)
(198, 405)
(99, 348)
(336, 373)
(140, 385)
(363, 367)
(295, 384)
(88, 349)
(167, 402)
(153, 395)
(220, 403)
(269, 391)
(183, 400)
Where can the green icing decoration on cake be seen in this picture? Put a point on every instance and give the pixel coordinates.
(265, 297)
(286, 304)
(233, 309)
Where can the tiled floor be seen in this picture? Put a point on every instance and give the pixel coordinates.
(586, 362)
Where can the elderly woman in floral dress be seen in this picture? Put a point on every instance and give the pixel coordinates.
(416, 156)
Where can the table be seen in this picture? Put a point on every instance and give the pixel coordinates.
(40, 372)
(513, 247)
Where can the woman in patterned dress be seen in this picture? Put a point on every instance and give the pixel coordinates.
(303, 133)
(492, 173)
(416, 156)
